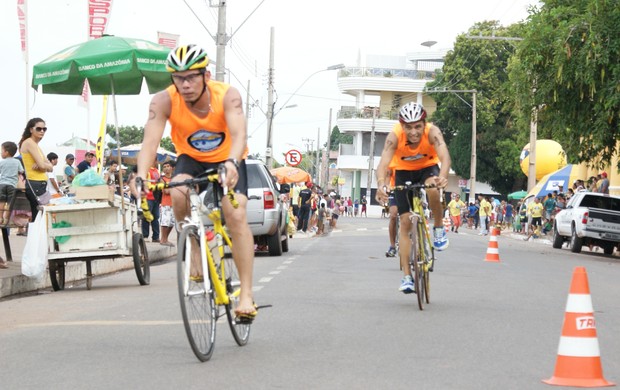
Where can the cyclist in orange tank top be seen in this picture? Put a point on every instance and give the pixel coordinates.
(417, 152)
(208, 128)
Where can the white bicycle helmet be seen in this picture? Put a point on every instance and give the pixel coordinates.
(411, 112)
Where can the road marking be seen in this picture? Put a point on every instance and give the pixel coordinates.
(361, 229)
(257, 288)
(274, 272)
(265, 280)
(282, 267)
(287, 262)
(101, 323)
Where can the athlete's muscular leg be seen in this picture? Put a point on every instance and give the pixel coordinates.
(180, 200)
(405, 249)
(243, 249)
(392, 225)
(434, 202)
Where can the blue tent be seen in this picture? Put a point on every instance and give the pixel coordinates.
(129, 154)
(551, 182)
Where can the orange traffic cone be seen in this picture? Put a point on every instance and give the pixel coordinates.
(447, 224)
(492, 250)
(579, 362)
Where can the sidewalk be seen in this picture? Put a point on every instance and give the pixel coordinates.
(13, 282)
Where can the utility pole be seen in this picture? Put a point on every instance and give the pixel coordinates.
(221, 38)
(309, 146)
(220, 41)
(270, 103)
(371, 156)
(327, 151)
(317, 171)
(472, 167)
(531, 172)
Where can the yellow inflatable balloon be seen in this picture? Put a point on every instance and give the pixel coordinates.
(550, 157)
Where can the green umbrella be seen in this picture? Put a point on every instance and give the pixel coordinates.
(517, 195)
(112, 65)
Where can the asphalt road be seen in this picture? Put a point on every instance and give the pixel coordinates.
(337, 322)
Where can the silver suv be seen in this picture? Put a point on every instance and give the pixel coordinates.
(266, 211)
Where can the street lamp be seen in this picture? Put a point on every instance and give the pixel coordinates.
(271, 113)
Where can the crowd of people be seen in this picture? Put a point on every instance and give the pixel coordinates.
(315, 212)
(532, 219)
(25, 167)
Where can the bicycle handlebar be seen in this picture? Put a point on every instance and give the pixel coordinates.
(409, 186)
(211, 177)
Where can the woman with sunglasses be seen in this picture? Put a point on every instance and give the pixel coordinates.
(36, 164)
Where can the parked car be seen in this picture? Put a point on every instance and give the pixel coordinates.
(266, 210)
(589, 218)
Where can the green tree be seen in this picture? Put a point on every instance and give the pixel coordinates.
(130, 135)
(166, 143)
(568, 66)
(480, 65)
(336, 138)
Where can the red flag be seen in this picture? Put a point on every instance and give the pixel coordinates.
(83, 99)
(22, 10)
(165, 39)
(98, 17)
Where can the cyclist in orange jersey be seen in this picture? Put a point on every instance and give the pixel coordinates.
(417, 152)
(208, 128)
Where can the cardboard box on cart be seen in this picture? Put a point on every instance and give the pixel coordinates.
(101, 192)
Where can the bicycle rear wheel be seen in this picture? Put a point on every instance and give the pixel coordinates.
(196, 297)
(240, 332)
(416, 272)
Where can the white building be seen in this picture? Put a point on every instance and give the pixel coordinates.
(380, 88)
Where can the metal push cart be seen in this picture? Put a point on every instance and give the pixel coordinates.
(92, 231)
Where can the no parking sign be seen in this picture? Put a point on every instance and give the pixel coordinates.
(293, 157)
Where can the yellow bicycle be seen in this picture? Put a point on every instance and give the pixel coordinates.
(202, 294)
(422, 254)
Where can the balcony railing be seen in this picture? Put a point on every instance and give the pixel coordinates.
(387, 72)
(366, 113)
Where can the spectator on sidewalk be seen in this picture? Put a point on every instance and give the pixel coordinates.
(68, 172)
(10, 168)
(167, 220)
(364, 203)
(484, 212)
(303, 203)
(52, 183)
(86, 163)
(455, 207)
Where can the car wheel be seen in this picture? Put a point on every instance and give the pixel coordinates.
(285, 243)
(558, 240)
(274, 242)
(575, 242)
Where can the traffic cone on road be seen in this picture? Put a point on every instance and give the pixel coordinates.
(578, 362)
(447, 224)
(492, 250)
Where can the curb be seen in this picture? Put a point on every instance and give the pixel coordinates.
(75, 271)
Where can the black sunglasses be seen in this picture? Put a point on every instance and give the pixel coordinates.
(40, 128)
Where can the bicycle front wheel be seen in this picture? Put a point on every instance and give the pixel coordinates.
(240, 332)
(416, 268)
(427, 259)
(196, 295)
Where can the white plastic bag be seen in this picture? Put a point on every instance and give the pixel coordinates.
(34, 260)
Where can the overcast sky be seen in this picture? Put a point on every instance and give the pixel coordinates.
(309, 36)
